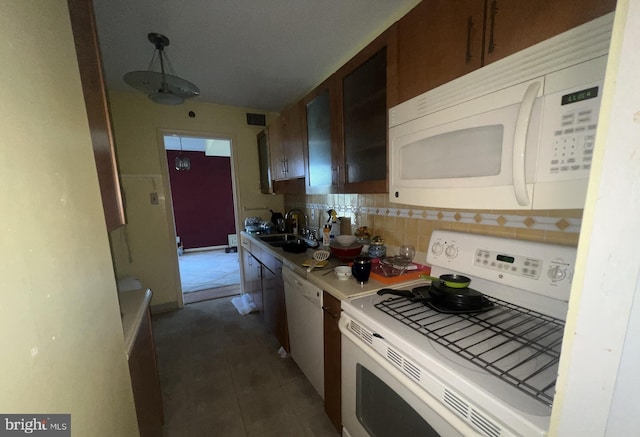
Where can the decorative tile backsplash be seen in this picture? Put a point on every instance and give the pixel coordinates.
(399, 223)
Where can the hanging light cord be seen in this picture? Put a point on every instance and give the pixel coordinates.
(159, 55)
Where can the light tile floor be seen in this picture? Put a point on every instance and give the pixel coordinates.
(208, 269)
(221, 375)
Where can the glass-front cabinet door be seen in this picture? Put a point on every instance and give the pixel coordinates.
(346, 125)
(321, 172)
(365, 120)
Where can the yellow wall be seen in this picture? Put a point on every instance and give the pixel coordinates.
(145, 247)
(60, 330)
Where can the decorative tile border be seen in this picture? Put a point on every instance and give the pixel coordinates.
(541, 223)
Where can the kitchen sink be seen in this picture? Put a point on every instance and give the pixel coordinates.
(279, 240)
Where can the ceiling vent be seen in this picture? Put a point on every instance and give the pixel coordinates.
(256, 119)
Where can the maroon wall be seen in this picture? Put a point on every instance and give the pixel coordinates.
(202, 199)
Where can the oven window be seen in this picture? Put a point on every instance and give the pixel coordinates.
(382, 412)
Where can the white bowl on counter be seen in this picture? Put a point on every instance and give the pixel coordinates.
(345, 240)
(342, 272)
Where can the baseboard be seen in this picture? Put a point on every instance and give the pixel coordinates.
(164, 307)
(205, 249)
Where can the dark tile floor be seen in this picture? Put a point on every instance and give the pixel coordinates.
(221, 375)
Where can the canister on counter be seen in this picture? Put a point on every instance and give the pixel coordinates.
(345, 225)
(377, 249)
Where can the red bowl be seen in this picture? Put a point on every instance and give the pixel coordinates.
(346, 253)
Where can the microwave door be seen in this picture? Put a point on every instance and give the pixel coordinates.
(473, 152)
(463, 164)
(464, 156)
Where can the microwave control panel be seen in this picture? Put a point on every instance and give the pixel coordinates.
(569, 133)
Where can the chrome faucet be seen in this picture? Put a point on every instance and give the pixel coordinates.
(299, 216)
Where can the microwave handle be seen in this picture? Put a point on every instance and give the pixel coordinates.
(520, 143)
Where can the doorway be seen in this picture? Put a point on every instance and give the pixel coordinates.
(203, 202)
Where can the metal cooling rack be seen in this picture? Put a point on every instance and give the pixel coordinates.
(518, 345)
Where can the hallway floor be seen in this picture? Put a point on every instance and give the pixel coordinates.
(221, 375)
(208, 269)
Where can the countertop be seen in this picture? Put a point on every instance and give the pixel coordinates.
(324, 278)
(133, 307)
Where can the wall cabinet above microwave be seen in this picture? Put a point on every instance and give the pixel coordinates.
(439, 41)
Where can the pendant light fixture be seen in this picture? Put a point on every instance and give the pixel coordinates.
(183, 163)
(161, 86)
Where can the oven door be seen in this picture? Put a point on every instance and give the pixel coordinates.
(377, 400)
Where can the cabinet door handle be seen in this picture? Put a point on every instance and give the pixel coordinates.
(335, 171)
(286, 165)
(467, 58)
(327, 310)
(494, 12)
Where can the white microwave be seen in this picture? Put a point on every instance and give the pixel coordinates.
(516, 134)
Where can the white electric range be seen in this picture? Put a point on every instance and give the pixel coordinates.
(409, 369)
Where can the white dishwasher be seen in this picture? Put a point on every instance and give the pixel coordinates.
(304, 319)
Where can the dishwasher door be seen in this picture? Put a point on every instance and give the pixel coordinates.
(304, 319)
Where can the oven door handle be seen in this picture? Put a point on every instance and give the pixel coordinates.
(411, 385)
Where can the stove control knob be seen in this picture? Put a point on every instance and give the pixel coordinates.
(556, 273)
(451, 251)
(437, 249)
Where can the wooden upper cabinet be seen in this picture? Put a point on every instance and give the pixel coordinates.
(438, 40)
(322, 156)
(513, 25)
(286, 144)
(276, 153)
(95, 95)
(365, 121)
(293, 144)
(345, 123)
(264, 162)
(362, 90)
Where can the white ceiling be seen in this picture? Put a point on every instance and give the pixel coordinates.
(261, 54)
